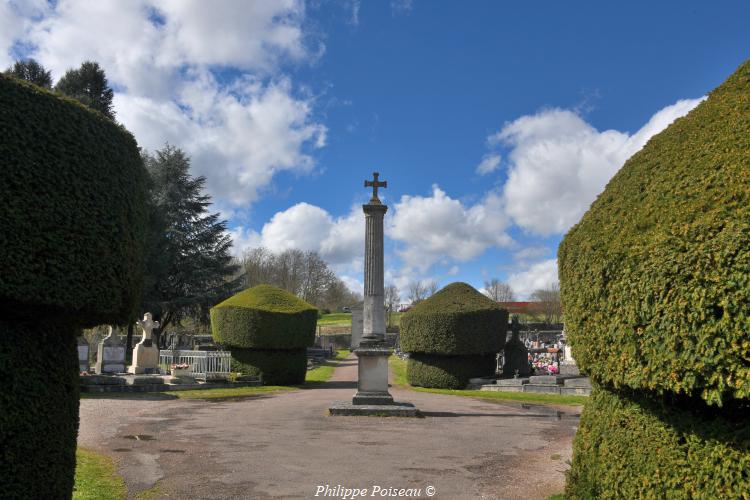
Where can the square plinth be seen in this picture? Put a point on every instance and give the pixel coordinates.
(347, 409)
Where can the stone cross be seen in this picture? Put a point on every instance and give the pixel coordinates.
(375, 184)
(148, 325)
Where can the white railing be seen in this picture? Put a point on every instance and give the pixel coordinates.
(203, 365)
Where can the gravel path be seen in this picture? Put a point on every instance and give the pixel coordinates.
(286, 446)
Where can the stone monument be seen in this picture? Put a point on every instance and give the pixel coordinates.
(372, 397)
(110, 354)
(83, 354)
(145, 353)
(516, 355)
(357, 325)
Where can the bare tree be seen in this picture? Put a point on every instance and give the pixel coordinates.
(417, 292)
(547, 303)
(392, 299)
(431, 287)
(498, 291)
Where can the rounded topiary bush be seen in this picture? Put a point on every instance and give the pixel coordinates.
(456, 320)
(447, 372)
(633, 444)
(655, 279)
(264, 317)
(267, 330)
(276, 366)
(72, 198)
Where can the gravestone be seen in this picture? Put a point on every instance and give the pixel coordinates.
(357, 325)
(145, 353)
(83, 354)
(110, 354)
(516, 354)
(568, 365)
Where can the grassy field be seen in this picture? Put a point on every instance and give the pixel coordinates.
(323, 372)
(97, 478)
(335, 319)
(398, 367)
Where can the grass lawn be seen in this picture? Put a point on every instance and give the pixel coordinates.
(398, 367)
(97, 478)
(228, 392)
(335, 319)
(323, 372)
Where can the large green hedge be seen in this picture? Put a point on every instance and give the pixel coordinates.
(655, 279)
(635, 445)
(275, 366)
(457, 320)
(448, 372)
(264, 317)
(38, 409)
(72, 198)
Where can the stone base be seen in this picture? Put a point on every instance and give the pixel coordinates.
(372, 398)
(145, 359)
(345, 408)
(569, 369)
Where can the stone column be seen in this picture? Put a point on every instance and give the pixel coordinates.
(372, 385)
(373, 327)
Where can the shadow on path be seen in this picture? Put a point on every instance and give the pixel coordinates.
(456, 415)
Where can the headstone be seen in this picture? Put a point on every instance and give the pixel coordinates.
(110, 354)
(145, 353)
(83, 354)
(516, 355)
(357, 325)
(568, 365)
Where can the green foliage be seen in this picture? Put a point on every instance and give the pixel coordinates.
(276, 366)
(189, 264)
(457, 320)
(72, 198)
(88, 84)
(448, 372)
(97, 478)
(633, 445)
(32, 72)
(264, 317)
(38, 408)
(655, 279)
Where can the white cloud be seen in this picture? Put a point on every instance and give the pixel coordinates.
(161, 57)
(559, 163)
(437, 227)
(454, 270)
(539, 275)
(338, 240)
(489, 164)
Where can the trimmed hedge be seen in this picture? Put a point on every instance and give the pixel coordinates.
(72, 198)
(276, 366)
(655, 279)
(448, 372)
(457, 320)
(264, 317)
(636, 445)
(39, 409)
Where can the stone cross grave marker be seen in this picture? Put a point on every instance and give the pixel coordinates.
(145, 353)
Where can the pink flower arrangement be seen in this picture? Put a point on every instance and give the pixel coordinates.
(180, 366)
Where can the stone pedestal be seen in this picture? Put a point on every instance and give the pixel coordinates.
(372, 384)
(145, 359)
(110, 355)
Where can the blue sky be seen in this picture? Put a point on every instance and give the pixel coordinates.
(495, 124)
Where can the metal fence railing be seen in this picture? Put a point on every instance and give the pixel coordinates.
(203, 365)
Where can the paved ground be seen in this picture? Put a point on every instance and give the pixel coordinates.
(285, 445)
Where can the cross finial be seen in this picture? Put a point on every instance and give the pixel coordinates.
(375, 184)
